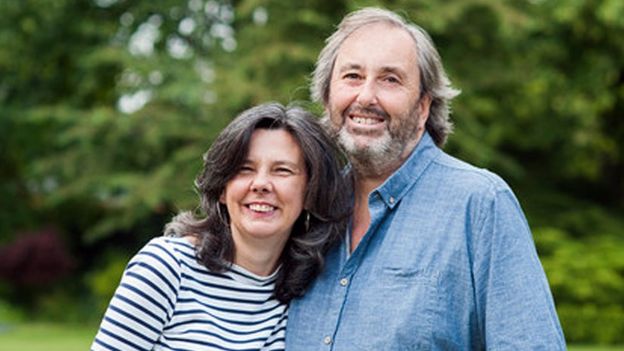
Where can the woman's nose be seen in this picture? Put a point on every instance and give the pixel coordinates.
(261, 184)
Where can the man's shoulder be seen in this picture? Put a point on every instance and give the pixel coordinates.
(458, 173)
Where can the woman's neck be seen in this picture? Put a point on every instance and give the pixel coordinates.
(259, 257)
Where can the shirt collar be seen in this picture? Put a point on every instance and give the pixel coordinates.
(397, 185)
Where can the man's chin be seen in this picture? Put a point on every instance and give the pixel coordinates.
(361, 146)
(375, 132)
(359, 141)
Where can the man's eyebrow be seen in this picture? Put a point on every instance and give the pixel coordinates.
(349, 66)
(384, 69)
(393, 69)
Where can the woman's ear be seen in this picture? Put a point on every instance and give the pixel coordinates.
(222, 197)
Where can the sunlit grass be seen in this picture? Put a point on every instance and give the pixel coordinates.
(49, 337)
(59, 337)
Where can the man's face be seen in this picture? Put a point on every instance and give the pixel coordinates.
(374, 104)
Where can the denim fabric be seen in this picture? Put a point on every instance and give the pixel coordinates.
(448, 263)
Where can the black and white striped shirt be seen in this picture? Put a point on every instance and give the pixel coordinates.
(166, 300)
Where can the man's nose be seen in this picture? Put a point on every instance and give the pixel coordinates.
(368, 93)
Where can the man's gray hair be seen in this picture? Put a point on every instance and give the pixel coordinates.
(433, 79)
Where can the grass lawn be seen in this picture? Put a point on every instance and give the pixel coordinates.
(52, 337)
(49, 337)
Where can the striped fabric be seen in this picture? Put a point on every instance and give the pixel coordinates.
(168, 301)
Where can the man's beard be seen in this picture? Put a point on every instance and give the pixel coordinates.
(374, 158)
(380, 154)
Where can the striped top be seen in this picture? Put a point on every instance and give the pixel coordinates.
(166, 300)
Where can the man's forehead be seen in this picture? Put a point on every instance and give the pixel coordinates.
(372, 32)
(386, 47)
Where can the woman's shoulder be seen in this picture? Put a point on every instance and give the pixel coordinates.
(163, 250)
(173, 242)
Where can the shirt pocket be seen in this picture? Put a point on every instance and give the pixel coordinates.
(409, 296)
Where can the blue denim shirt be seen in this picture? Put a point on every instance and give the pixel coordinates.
(448, 263)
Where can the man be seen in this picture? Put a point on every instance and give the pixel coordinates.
(439, 255)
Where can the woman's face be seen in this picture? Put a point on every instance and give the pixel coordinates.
(265, 197)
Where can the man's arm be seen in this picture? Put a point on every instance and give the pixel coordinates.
(515, 305)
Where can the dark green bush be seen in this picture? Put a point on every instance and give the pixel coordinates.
(103, 281)
(587, 281)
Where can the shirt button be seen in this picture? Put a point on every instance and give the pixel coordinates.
(391, 199)
(344, 281)
(327, 340)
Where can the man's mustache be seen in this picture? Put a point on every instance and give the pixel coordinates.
(367, 110)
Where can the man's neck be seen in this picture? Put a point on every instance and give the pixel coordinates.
(366, 180)
(361, 215)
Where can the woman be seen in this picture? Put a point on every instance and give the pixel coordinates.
(274, 202)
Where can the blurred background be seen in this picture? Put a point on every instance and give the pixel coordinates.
(106, 107)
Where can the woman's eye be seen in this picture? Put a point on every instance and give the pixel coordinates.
(283, 170)
(351, 76)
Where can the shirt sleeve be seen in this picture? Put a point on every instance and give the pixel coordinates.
(515, 306)
(143, 302)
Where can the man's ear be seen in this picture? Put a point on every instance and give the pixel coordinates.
(424, 105)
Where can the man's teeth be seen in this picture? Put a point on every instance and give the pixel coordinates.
(364, 120)
(261, 208)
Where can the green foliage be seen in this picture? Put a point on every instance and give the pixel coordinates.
(65, 305)
(106, 107)
(278, 45)
(9, 313)
(603, 325)
(587, 279)
(103, 281)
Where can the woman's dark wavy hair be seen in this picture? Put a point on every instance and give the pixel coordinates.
(327, 197)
